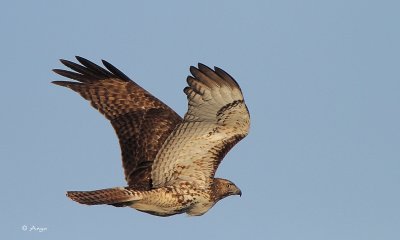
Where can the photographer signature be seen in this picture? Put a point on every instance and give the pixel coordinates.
(33, 228)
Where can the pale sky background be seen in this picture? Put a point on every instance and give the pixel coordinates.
(321, 80)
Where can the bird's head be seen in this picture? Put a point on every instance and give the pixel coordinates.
(223, 188)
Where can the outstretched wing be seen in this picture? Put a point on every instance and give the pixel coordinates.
(141, 121)
(217, 118)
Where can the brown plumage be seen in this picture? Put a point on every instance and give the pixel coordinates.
(141, 121)
(169, 162)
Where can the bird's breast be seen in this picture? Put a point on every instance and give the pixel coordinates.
(200, 208)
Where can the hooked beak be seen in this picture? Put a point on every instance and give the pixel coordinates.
(239, 193)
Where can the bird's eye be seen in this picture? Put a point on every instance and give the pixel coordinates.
(228, 185)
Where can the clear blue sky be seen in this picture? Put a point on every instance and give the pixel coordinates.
(321, 80)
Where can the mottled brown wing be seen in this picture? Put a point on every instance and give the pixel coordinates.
(217, 118)
(141, 121)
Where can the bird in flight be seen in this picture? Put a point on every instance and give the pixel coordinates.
(169, 162)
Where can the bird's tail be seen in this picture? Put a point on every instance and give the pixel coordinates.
(118, 196)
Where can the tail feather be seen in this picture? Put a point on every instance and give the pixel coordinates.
(114, 196)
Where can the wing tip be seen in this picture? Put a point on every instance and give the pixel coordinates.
(86, 71)
(79, 57)
(59, 83)
(118, 73)
(201, 65)
(65, 83)
(192, 69)
(227, 77)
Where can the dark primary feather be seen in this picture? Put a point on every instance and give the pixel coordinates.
(141, 121)
(116, 71)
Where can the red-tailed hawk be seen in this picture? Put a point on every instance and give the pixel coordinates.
(169, 162)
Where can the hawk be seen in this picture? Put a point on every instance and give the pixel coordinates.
(169, 162)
